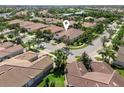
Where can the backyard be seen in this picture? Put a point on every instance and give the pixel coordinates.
(53, 77)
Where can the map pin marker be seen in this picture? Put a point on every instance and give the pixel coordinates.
(66, 24)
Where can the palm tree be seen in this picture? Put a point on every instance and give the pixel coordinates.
(38, 35)
(60, 60)
(47, 81)
(52, 84)
(28, 44)
(108, 54)
(104, 39)
(16, 33)
(110, 31)
(86, 60)
(2, 27)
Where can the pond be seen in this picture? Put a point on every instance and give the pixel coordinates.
(5, 15)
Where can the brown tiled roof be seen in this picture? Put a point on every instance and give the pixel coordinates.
(53, 28)
(35, 26)
(42, 63)
(116, 80)
(97, 78)
(3, 54)
(16, 76)
(101, 67)
(16, 21)
(88, 24)
(26, 23)
(120, 56)
(79, 69)
(82, 82)
(30, 56)
(17, 62)
(14, 48)
(6, 45)
(70, 33)
(52, 20)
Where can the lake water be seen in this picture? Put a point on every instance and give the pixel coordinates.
(4, 14)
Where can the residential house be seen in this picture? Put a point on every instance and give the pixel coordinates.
(29, 26)
(29, 56)
(35, 27)
(22, 13)
(18, 76)
(88, 24)
(120, 57)
(102, 75)
(69, 35)
(16, 21)
(54, 29)
(8, 50)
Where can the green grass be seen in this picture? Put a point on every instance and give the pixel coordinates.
(53, 77)
(98, 58)
(77, 47)
(120, 70)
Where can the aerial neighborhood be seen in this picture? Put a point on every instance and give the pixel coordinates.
(37, 50)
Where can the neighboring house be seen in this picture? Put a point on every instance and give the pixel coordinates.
(88, 24)
(33, 27)
(22, 13)
(18, 76)
(101, 19)
(14, 50)
(101, 76)
(29, 56)
(54, 29)
(8, 50)
(69, 35)
(120, 57)
(16, 21)
(6, 45)
(29, 26)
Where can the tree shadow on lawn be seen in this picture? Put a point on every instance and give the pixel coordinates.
(57, 73)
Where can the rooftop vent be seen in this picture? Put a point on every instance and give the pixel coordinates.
(97, 85)
(115, 84)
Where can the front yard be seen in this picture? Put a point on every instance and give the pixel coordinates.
(54, 77)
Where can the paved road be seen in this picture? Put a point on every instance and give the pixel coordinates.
(51, 47)
(91, 49)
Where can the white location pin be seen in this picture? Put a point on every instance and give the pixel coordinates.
(66, 24)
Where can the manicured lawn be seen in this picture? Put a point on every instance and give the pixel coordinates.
(54, 77)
